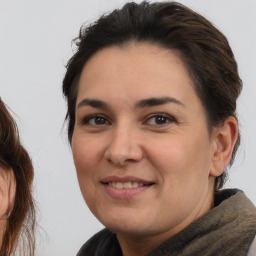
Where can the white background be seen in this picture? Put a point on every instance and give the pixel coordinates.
(35, 44)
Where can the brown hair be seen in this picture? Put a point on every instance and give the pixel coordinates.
(21, 221)
(204, 49)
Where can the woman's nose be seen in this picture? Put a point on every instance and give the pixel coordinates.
(124, 147)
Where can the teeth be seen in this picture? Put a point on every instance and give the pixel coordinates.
(128, 184)
(119, 185)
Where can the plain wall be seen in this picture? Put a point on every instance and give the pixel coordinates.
(35, 44)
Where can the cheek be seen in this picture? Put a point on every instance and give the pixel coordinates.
(86, 157)
(168, 153)
(84, 152)
(83, 161)
(84, 172)
(182, 157)
(183, 166)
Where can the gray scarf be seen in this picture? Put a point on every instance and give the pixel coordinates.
(226, 230)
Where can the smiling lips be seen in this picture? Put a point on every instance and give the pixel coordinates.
(123, 188)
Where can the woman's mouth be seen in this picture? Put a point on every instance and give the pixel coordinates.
(123, 188)
(129, 184)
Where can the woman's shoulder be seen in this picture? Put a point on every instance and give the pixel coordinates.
(103, 243)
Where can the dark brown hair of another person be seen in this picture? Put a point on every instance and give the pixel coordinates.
(21, 221)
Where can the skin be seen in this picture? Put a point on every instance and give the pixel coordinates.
(121, 134)
(7, 196)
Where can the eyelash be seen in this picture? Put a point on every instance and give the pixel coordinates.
(164, 117)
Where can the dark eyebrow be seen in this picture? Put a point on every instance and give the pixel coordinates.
(151, 102)
(93, 103)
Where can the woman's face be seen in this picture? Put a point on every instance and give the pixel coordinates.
(141, 146)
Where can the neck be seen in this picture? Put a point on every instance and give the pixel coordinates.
(136, 246)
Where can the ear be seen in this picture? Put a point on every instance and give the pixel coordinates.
(224, 139)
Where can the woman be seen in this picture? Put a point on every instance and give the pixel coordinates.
(151, 95)
(17, 214)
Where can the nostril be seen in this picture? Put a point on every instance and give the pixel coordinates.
(121, 152)
(118, 162)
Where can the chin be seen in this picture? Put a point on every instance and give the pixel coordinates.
(129, 230)
(125, 223)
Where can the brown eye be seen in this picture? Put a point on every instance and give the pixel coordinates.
(99, 120)
(95, 120)
(160, 119)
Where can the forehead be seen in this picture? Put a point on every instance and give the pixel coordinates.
(140, 69)
(133, 55)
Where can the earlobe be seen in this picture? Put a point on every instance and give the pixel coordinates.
(224, 139)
